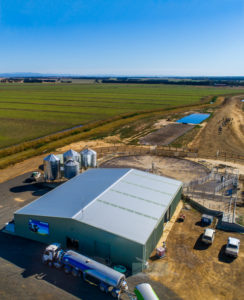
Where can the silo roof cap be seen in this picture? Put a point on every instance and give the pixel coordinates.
(51, 157)
(71, 153)
(88, 151)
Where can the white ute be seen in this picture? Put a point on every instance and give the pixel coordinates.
(208, 236)
(232, 247)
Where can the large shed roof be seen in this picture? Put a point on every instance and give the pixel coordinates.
(125, 202)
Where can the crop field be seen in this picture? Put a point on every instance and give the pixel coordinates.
(29, 111)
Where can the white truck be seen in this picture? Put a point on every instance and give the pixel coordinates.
(232, 247)
(95, 273)
(208, 236)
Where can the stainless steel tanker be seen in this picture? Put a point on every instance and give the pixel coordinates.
(106, 278)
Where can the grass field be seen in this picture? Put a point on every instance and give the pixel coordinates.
(28, 111)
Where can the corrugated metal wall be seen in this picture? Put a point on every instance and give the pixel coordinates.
(92, 241)
(175, 202)
(157, 233)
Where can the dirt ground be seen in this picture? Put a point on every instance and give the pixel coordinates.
(180, 169)
(194, 271)
(32, 164)
(209, 141)
(166, 135)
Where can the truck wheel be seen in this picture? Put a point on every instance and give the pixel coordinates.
(74, 272)
(66, 270)
(102, 288)
(114, 295)
(57, 266)
(50, 264)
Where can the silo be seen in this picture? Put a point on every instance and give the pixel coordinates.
(51, 167)
(88, 158)
(71, 155)
(71, 169)
(61, 158)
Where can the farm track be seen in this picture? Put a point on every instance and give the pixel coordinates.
(230, 139)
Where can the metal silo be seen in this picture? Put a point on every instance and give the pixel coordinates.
(88, 158)
(71, 155)
(51, 167)
(71, 169)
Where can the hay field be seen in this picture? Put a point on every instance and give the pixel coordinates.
(29, 111)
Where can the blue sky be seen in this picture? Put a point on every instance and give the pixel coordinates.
(122, 37)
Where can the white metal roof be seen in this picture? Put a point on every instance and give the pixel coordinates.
(125, 202)
(73, 195)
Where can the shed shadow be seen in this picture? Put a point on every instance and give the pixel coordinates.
(26, 254)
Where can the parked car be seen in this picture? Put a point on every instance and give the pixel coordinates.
(232, 247)
(206, 220)
(35, 176)
(208, 236)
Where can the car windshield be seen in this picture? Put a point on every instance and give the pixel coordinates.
(207, 237)
(232, 246)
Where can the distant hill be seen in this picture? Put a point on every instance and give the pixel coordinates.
(29, 74)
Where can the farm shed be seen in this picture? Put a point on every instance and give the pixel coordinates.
(115, 214)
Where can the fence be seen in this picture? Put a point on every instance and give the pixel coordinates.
(168, 151)
(224, 184)
(145, 150)
(199, 181)
(210, 192)
(226, 156)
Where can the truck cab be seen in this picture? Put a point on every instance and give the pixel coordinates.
(208, 236)
(50, 253)
(232, 247)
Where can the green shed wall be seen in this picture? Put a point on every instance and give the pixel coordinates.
(92, 241)
(157, 233)
(175, 202)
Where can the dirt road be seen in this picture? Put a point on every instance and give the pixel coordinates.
(194, 271)
(222, 135)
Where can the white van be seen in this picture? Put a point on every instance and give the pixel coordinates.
(208, 236)
(232, 247)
